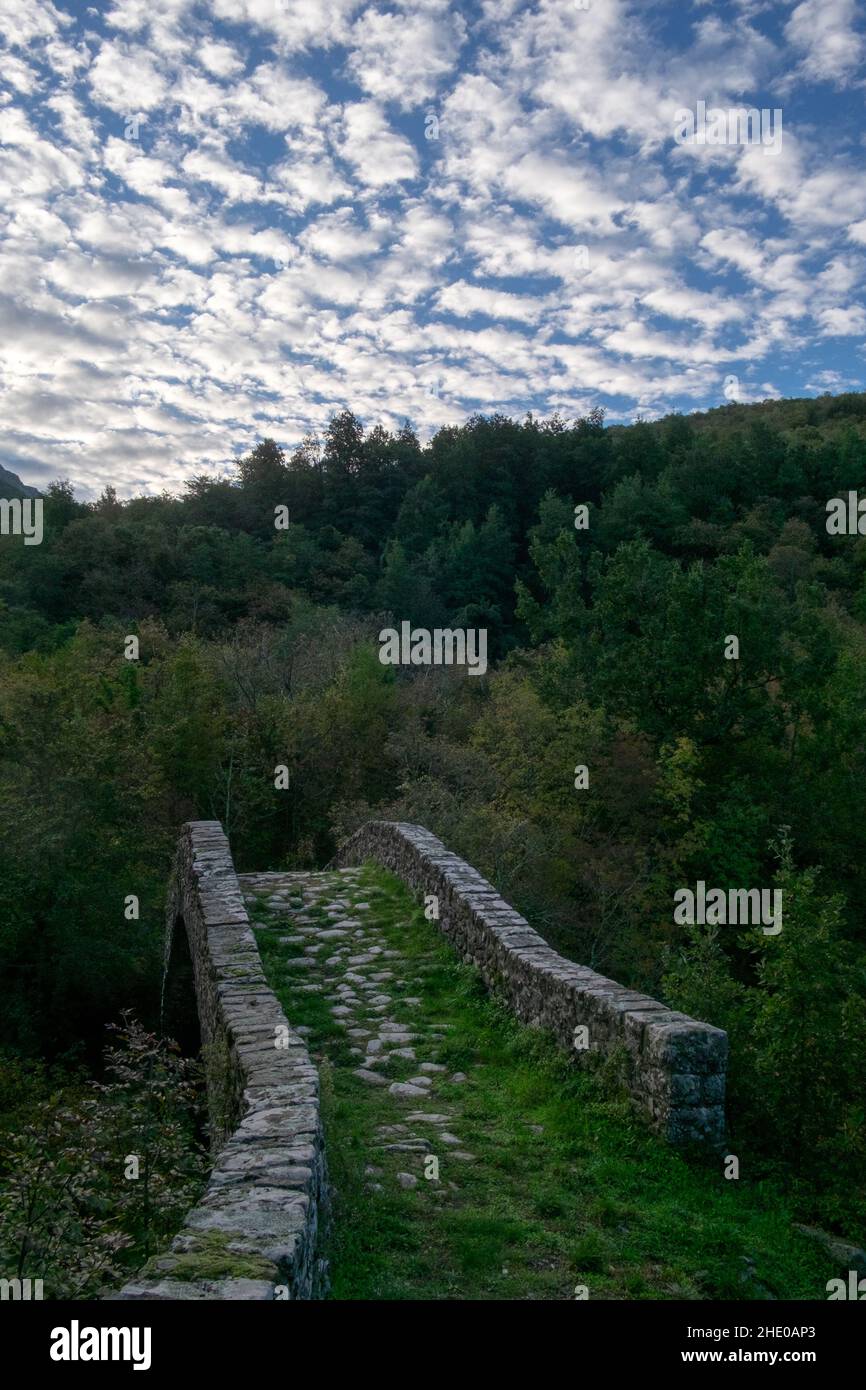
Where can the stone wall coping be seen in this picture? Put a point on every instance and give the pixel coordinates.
(674, 1064)
(273, 1104)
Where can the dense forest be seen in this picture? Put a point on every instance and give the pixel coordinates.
(259, 648)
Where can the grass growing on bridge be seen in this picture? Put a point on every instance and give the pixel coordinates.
(567, 1187)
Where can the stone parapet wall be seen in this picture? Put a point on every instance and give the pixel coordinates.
(253, 1234)
(675, 1066)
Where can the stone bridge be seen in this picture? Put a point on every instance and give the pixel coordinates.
(255, 1233)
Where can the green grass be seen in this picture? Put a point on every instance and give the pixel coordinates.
(568, 1187)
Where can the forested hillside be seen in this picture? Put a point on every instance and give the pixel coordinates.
(258, 648)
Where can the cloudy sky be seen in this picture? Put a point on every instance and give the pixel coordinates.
(227, 220)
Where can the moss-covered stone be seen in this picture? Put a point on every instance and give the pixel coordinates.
(209, 1257)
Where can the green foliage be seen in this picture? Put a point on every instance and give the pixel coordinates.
(259, 649)
(796, 1032)
(70, 1211)
(809, 1025)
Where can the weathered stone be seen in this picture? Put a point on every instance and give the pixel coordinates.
(674, 1066)
(404, 1091)
(177, 1290)
(268, 1181)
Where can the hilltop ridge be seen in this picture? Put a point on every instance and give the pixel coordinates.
(12, 486)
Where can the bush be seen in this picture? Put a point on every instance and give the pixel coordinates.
(101, 1175)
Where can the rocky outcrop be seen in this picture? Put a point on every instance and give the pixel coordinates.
(674, 1066)
(253, 1235)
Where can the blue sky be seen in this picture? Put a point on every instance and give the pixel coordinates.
(228, 220)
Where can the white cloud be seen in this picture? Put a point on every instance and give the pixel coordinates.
(147, 176)
(464, 300)
(281, 239)
(311, 181)
(295, 24)
(211, 166)
(24, 21)
(125, 79)
(843, 322)
(403, 57)
(337, 236)
(574, 196)
(220, 59)
(378, 154)
(710, 310)
(273, 99)
(824, 31)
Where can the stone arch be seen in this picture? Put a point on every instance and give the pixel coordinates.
(179, 1017)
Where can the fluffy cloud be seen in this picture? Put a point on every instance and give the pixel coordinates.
(404, 56)
(824, 31)
(378, 154)
(126, 79)
(228, 220)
